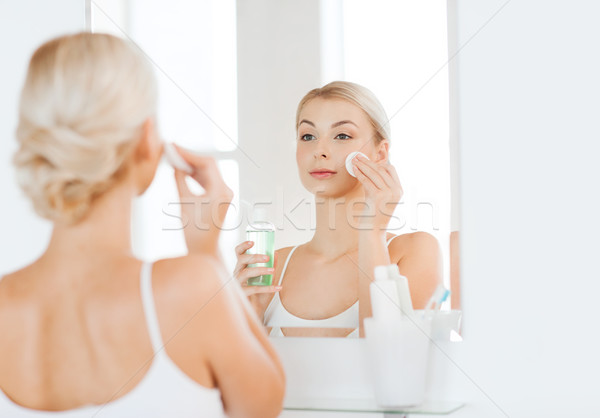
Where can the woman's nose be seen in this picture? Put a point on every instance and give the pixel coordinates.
(321, 151)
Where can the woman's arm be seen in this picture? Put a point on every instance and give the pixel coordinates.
(419, 259)
(418, 254)
(252, 379)
(232, 341)
(382, 193)
(422, 264)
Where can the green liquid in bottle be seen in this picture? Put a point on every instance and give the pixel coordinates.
(264, 243)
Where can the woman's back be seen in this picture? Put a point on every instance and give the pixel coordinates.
(82, 336)
(71, 341)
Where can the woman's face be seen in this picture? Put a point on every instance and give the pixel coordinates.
(329, 130)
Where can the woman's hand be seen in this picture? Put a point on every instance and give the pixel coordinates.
(202, 215)
(382, 191)
(242, 272)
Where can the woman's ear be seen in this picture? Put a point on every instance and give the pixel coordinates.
(146, 156)
(148, 146)
(382, 151)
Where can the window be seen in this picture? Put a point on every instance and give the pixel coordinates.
(192, 46)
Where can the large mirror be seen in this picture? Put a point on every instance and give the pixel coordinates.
(231, 76)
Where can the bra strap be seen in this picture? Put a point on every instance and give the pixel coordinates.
(390, 240)
(150, 308)
(287, 260)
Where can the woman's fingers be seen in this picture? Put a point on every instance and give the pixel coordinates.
(243, 247)
(182, 187)
(206, 172)
(370, 170)
(386, 172)
(252, 290)
(387, 177)
(246, 259)
(250, 272)
(391, 170)
(366, 181)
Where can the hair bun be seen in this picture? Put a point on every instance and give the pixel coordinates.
(85, 99)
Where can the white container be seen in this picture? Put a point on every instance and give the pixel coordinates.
(443, 323)
(390, 293)
(398, 356)
(385, 302)
(403, 290)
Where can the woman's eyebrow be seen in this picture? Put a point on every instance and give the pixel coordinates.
(343, 122)
(306, 121)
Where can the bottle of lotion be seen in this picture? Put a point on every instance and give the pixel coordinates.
(262, 233)
(390, 295)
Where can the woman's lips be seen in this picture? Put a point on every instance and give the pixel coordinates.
(322, 174)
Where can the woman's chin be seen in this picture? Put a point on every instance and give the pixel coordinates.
(331, 190)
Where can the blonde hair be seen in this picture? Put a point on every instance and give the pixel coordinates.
(357, 95)
(82, 108)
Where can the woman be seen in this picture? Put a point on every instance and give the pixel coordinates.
(87, 329)
(327, 279)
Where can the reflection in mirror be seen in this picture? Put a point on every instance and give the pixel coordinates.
(235, 97)
(400, 54)
(328, 282)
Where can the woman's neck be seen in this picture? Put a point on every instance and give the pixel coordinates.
(104, 230)
(337, 224)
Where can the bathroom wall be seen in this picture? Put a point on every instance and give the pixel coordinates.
(24, 25)
(528, 94)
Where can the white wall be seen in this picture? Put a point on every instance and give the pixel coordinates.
(528, 111)
(24, 25)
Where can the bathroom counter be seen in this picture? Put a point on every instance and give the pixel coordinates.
(327, 377)
(355, 406)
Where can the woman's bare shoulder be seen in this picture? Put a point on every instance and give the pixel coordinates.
(404, 244)
(195, 293)
(417, 236)
(281, 255)
(191, 276)
(284, 251)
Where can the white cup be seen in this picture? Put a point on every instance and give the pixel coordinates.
(444, 322)
(398, 354)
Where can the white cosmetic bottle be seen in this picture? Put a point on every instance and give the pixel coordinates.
(397, 342)
(385, 302)
(390, 295)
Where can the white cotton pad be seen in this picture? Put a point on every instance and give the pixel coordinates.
(349, 158)
(175, 159)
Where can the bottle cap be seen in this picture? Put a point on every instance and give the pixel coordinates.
(386, 272)
(259, 214)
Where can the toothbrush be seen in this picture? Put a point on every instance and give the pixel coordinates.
(440, 294)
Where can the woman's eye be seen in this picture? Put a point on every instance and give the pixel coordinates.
(343, 136)
(307, 137)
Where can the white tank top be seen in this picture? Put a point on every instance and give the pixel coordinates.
(165, 390)
(276, 316)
